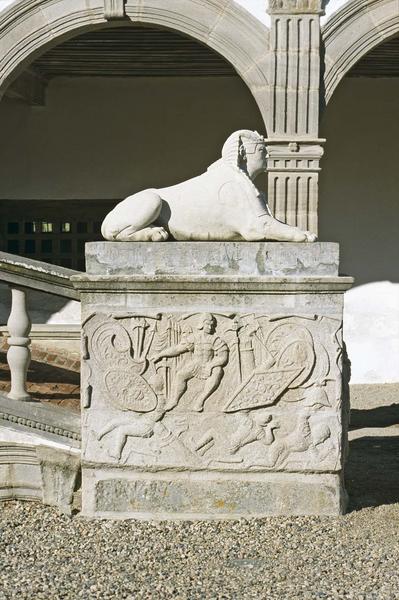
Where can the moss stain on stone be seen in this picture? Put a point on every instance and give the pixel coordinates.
(213, 269)
(261, 258)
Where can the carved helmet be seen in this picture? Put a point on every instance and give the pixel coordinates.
(203, 317)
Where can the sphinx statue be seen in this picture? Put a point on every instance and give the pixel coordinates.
(222, 204)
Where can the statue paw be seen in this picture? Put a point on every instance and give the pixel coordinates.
(158, 234)
(310, 237)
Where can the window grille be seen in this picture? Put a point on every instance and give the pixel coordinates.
(52, 231)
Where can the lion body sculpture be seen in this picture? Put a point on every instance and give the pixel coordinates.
(221, 204)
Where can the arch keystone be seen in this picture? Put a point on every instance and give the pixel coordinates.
(114, 9)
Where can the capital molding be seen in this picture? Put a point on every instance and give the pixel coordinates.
(295, 148)
(293, 7)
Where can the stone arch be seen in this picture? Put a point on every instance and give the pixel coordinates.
(351, 32)
(29, 27)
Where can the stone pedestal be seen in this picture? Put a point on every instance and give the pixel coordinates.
(212, 380)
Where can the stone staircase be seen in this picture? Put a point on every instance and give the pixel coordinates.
(39, 397)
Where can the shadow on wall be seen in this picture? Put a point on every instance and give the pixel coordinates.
(359, 208)
(102, 138)
(359, 183)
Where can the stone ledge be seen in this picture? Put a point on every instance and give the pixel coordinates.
(37, 275)
(58, 424)
(115, 284)
(208, 259)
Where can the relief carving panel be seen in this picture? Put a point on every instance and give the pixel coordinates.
(213, 391)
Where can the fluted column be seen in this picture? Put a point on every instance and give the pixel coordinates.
(18, 355)
(293, 143)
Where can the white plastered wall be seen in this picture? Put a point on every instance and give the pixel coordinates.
(5, 3)
(359, 207)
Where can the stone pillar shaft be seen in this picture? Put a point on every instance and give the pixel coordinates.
(18, 355)
(295, 75)
(294, 147)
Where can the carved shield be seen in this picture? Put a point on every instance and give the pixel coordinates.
(262, 388)
(129, 391)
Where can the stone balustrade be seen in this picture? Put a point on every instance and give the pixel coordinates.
(23, 274)
(18, 355)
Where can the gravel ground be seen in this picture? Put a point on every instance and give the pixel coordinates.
(47, 556)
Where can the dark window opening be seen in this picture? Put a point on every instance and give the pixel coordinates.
(13, 228)
(13, 246)
(66, 246)
(44, 230)
(47, 246)
(30, 246)
(82, 227)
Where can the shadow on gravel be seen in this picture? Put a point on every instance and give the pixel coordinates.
(382, 416)
(372, 471)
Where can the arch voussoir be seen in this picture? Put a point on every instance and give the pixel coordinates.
(352, 32)
(28, 28)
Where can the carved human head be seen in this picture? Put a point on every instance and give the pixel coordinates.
(246, 150)
(206, 322)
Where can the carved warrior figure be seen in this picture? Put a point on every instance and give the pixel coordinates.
(265, 384)
(208, 356)
(222, 204)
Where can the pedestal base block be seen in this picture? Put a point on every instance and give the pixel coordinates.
(121, 495)
(216, 390)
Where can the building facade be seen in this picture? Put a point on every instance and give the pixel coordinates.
(102, 98)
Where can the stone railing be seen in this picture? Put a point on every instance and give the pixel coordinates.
(23, 274)
(44, 467)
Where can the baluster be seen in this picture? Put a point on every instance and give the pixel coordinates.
(18, 355)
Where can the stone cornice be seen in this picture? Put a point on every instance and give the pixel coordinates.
(210, 285)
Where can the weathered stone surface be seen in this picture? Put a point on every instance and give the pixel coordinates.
(37, 275)
(38, 472)
(256, 259)
(219, 377)
(228, 392)
(59, 470)
(52, 422)
(175, 496)
(19, 472)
